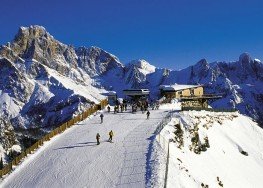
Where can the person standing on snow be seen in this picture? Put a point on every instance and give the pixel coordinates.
(98, 138)
(108, 109)
(101, 118)
(111, 135)
(148, 114)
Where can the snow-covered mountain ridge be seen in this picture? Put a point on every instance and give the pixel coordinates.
(44, 82)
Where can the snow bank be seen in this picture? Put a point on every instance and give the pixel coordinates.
(16, 148)
(214, 149)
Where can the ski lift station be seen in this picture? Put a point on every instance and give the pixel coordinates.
(112, 97)
(136, 94)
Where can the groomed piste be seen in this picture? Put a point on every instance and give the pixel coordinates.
(73, 159)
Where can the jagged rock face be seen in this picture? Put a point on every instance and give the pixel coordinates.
(36, 43)
(136, 73)
(13, 82)
(134, 77)
(96, 61)
(245, 70)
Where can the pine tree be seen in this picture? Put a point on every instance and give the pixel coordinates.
(1, 163)
(10, 155)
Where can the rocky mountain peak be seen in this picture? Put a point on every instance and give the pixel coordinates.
(202, 63)
(199, 70)
(97, 61)
(143, 65)
(33, 31)
(257, 60)
(245, 58)
(247, 66)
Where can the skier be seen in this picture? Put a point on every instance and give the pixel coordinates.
(134, 108)
(115, 109)
(101, 118)
(142, 109)
(122, 107)
(153, 106)
(148, 114)
(108, 109)
(98, 138)
(111, 135)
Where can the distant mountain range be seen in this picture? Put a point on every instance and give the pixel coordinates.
(44, 82)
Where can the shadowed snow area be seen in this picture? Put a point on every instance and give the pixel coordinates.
(73, 159)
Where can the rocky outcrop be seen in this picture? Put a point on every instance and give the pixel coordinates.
(96, 61)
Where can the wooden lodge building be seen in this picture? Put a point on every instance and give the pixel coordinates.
(191, 96)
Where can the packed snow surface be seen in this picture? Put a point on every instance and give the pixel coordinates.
(73, 159)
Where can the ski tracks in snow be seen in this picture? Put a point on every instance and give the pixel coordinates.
(74, 160)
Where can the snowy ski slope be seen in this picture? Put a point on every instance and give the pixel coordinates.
(74, 160)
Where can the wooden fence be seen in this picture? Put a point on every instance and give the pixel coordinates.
(7, 168)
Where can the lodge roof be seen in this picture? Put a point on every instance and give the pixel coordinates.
(177, 87)
(136, 92)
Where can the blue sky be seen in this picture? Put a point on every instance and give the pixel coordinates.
(167, 33)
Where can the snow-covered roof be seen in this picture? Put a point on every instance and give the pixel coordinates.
(136, 92)
(177, 87)
(112, 93)
(109, 93)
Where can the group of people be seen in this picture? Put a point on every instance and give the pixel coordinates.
(155, 106)
(110, 137)
(142, 105)
(118, 108)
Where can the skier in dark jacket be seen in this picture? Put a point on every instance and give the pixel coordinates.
(98, 138)
(148, 114)
(101, 118)
(108, 109)
(111, 135)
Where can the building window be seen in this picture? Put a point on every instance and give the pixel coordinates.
(180, 93)
(192, 91)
